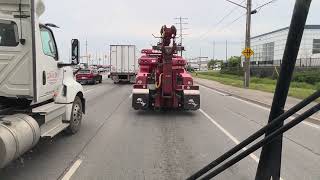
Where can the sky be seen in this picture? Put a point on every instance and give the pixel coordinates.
(105, 22)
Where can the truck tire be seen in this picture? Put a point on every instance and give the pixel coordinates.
(100, 81)
(76, 117)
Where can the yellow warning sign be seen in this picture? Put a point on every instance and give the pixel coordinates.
(247, 52)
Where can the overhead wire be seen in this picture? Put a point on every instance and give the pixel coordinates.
(217, 24)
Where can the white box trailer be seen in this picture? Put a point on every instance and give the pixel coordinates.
(123, 63)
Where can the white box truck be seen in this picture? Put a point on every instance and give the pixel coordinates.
(123, 63)
(39, 96)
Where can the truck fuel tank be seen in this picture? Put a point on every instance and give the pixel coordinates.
(18, 134)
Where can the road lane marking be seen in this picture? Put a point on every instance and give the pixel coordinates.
(72, 170)
(235, 140)
(130, 96)
(311, 124)
(307, 123)
(223, 94)
(259, 106)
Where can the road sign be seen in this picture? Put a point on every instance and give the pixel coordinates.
(247, 52)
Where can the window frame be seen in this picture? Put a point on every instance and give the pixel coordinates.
(15, 26)
(316, 46)
(56, 57)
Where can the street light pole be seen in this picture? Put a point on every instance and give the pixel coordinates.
(248, 36)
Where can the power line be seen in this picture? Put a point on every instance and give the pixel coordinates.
(218, 23)
(267, 3)
(235, 20)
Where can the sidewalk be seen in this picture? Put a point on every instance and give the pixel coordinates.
(255, 96)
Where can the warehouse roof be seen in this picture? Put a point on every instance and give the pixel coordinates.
(306, 27)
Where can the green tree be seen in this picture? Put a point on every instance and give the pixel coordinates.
(211, 64)
(234, 61)
(232, 66)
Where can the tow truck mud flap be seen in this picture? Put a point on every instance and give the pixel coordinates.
(140, 99)
(191, 99)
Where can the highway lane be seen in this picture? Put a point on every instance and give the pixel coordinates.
(117, 142)
(49, 159)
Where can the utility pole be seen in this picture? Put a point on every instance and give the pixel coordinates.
(87, 52)
(226, 50)
(213, 49)
(200, 61)
(181, 23)
(248, 37)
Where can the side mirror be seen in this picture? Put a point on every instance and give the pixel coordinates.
(75, 51)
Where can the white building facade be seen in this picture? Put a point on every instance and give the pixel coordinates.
(269, 47)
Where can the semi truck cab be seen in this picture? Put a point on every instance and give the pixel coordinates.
(39, 96)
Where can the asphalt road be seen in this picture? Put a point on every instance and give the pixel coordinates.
(117, 142)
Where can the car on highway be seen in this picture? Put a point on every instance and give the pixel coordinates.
(88, 76)
(101, 70)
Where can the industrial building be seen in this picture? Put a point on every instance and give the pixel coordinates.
(269, 47)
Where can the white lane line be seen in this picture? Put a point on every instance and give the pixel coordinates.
(223, 94)
(235, 140)
(72, 170)
(130, 96)
(307, 123)
(311, 125)
(259, 106)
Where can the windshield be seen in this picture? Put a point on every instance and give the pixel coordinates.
(84, 72)
(160, 90)
(8, 33)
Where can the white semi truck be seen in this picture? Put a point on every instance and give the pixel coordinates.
(39, 96)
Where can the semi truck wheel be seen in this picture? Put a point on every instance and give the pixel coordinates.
(100, 81)
(76, 117)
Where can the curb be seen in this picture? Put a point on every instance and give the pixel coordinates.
(310, 119)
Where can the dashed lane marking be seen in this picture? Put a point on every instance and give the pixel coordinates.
(72, 170)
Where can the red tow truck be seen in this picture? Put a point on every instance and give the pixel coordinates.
(162, 81)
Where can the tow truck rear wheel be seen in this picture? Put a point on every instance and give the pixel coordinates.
(76, 117)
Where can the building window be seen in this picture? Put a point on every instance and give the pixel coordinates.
(316, 46)
(268, 52)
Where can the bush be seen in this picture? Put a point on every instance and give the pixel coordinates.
(318, 86)
(311, 77)
(233, 66)
(232, 70)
